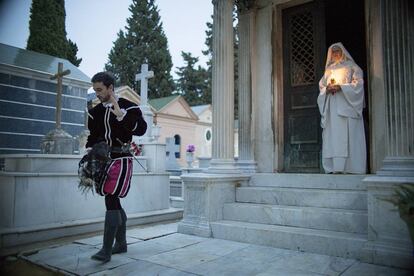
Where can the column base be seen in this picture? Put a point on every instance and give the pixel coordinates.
(388, 254)
(247, 166)
(205, 195)
(397, 166)
(223, 166)
(389, 242)
(193, 226)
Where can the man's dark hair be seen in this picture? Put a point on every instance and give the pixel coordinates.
(105, 77)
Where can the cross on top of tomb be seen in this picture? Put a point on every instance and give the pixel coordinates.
(144, 76)
(59, 76)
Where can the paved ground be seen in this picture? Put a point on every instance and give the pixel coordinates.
(160, 250)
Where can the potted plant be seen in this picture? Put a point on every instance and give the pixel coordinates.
(403, 199)
(190, 154)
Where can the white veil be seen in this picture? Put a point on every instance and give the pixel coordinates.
(345, 54)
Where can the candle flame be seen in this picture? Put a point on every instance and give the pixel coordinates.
(336, 76)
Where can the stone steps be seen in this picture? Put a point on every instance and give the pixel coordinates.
(305, 197)
(314, 181)
(333, 243)
(351, 221)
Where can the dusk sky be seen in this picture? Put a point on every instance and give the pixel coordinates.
(93, 25)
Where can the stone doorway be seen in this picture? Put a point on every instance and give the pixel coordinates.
(303, 47)
(307, 31)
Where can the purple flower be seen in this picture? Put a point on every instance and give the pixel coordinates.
(190, 148)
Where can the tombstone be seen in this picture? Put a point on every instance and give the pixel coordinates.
(58, 141)
(82, 138)
(172, 148)
(143, 77)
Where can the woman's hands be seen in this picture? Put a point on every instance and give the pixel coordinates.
(333, 88)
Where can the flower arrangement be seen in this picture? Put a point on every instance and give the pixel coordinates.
(190, 148)
(135, 149)
(132, 148)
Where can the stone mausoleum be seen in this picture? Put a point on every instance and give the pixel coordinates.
(276, 194)
(28, 99)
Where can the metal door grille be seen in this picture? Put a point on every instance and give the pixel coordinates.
(302, 54)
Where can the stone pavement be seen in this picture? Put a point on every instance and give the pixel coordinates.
(160, 250)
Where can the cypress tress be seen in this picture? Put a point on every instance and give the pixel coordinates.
(48, 32)
(143, 41)
(192, 83)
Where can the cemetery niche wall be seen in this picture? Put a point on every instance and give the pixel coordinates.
(28, 99)
(39, 195)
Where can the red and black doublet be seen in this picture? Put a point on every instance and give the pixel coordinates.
(115, 131)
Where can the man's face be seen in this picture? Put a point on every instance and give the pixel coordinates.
(336, 54)
(103, 93)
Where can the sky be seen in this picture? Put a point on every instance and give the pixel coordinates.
(93, 25)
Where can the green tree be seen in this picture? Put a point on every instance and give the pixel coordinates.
(48, 32)
(71, 53)
(144, 41)
(209, 53)
(192, 83)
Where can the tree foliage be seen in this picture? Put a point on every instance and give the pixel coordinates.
(192, 83)
(144, 41)
(48, 32)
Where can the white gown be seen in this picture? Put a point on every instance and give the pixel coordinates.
(343, 136)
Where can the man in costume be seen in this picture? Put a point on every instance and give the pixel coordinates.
(340, 102)
(113, 121)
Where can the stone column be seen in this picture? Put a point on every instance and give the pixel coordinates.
(399, 88)
(206, 193)
(246, 161)
(263, 133)
(391, 39)
(223, 89)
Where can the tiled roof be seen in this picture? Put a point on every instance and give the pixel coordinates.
(198, 109)
(159, 103)
(40, 62)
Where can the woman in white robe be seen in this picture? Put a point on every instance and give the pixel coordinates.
(340, 102)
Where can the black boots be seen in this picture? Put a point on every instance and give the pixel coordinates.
(120, 237)
(113, 220)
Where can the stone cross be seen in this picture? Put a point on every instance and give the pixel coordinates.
(171, 149)
(144, 76)
(59, 76)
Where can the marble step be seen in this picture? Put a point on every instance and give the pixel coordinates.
(339, 244)
(52, 163)
(351, 221)
(338, 199)
(317, 181)
(17, 236)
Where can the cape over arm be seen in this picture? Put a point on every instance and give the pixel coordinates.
(322, 94)
(353, 91)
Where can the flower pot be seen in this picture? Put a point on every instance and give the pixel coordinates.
(189, 157)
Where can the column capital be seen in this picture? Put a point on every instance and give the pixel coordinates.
(245, 6)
